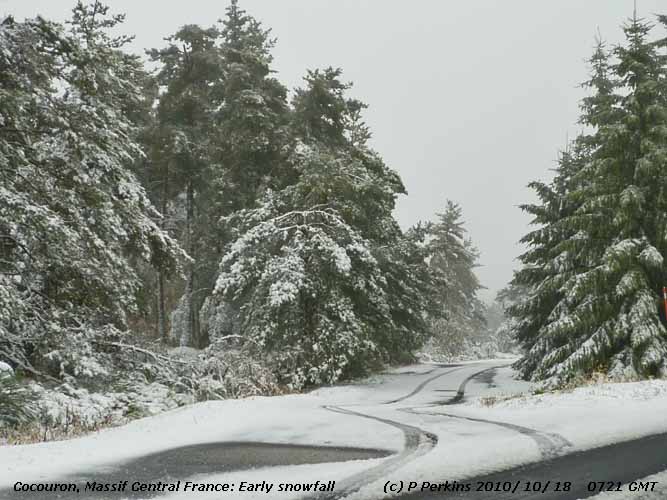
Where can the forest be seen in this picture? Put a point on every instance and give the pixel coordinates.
(179, 226)
(199, 231)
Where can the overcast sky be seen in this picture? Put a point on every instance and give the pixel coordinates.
(469, 100)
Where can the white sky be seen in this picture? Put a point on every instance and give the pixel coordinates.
(470, 99)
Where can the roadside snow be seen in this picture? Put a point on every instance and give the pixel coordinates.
(297, 419)
(473, 438)
(589, 416)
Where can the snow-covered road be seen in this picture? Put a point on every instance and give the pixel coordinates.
(435, 423)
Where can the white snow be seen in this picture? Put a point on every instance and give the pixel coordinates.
(5, 369)
(474, 438)
(297, 419)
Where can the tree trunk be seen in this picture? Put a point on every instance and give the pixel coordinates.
(161, 313)
(161, 309)
(191, 335)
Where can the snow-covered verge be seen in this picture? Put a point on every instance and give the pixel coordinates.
(152, 382)
(589, 416)
(296, 419)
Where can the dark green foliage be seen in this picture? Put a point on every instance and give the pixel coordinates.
(18, 404)
(281, 207)
(324, 280)
(595, 266)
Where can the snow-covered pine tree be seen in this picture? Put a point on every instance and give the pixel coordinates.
(228, 119)
(556, 249)
(253, 117)
(191, 77)
(453, 257)
(252, 144)
(73, 218)
(324, 280)
(611, 268)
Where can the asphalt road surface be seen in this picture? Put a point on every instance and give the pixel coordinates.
(184, 463)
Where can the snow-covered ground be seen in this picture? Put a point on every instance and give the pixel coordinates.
(473, 438)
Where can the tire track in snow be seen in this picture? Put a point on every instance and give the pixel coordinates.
(421, 386)
(550, 444)
(460, 392)
(418, 442)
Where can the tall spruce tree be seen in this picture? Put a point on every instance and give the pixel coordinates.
(553, 257)
(557, 248)
(608, 265)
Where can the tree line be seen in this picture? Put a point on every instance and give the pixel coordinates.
(204, 204)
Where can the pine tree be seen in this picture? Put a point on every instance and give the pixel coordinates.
(183, 154)
(253, 115)
(73, 218)
(323, 279)
(454, 258)
(226, 118)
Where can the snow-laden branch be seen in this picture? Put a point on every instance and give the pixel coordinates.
(151, 354)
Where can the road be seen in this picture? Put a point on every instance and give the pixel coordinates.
(620, 463)
(441, 438)
(190, 461)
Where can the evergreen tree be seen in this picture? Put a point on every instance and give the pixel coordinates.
(253, 138)
(554, 256)
(556, 248)
(74, 221)
(220, 134)
(454, 258)
(322, 276)
(182, 153)
(609, 264)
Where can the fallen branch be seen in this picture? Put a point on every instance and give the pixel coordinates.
(153, 355)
